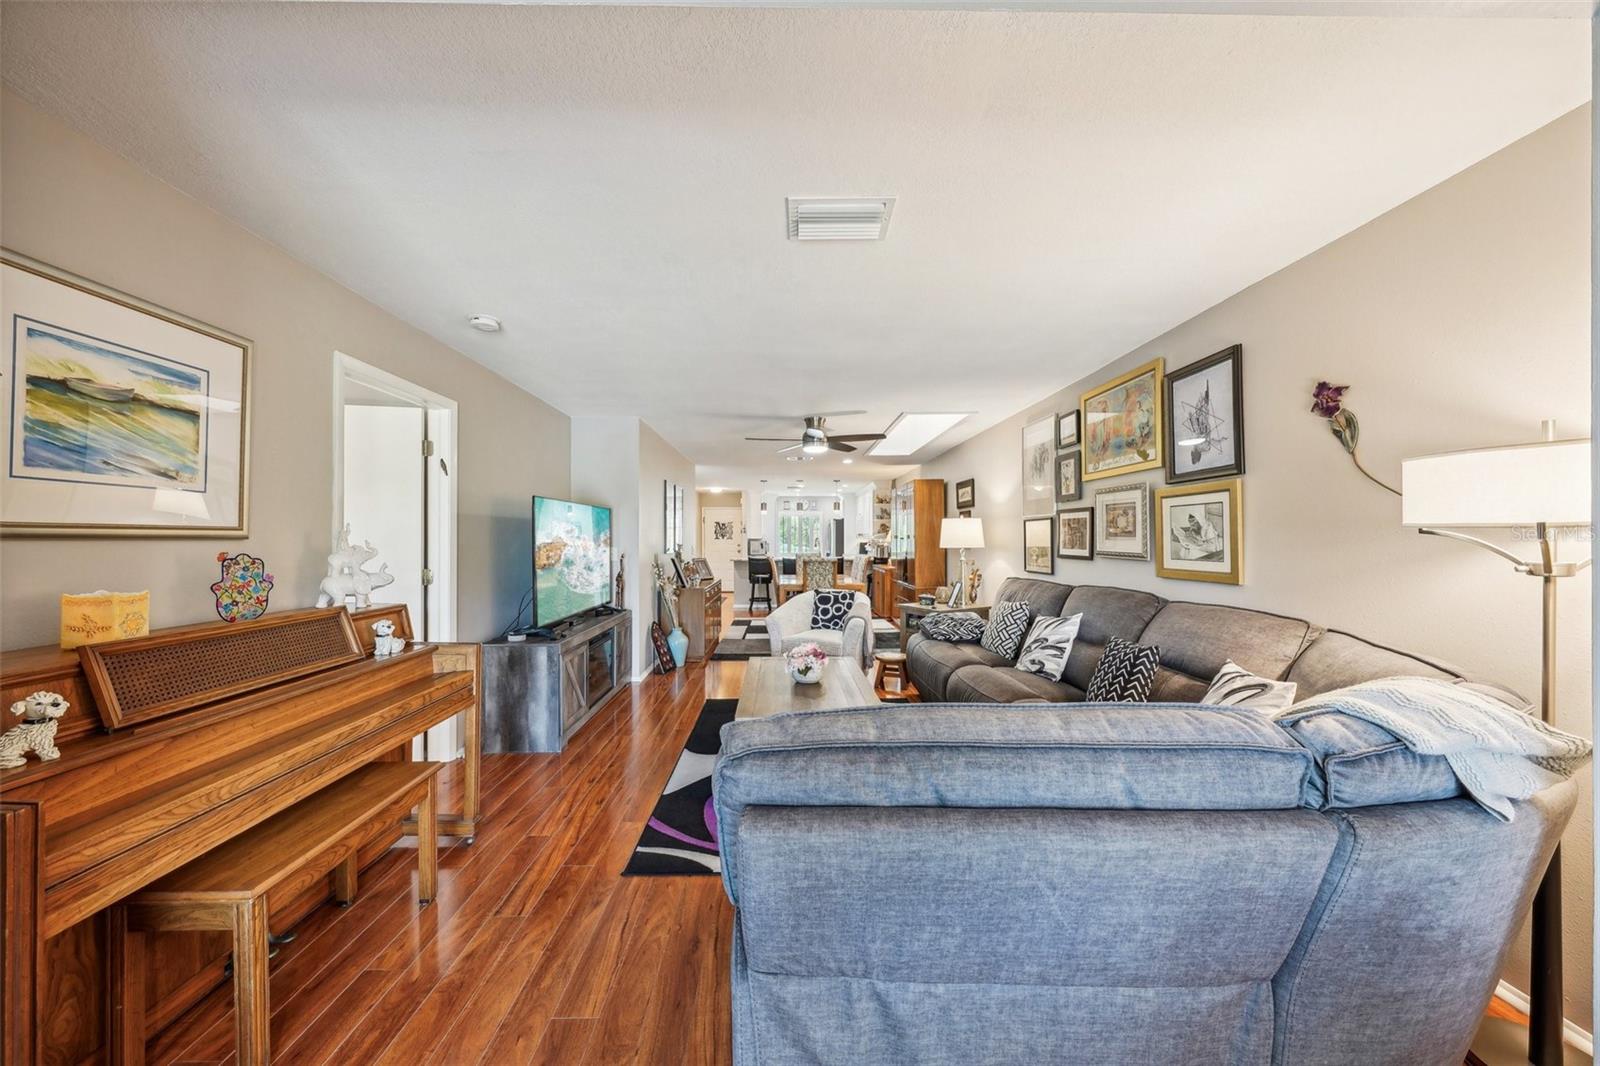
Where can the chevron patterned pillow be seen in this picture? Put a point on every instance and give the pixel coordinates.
(1008, 624)
(1048, 645)
(1125, 673)
(1235, 686)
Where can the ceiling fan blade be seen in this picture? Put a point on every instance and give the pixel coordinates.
(791, 448)
(836, 446)
(777, 440)
(856, 436)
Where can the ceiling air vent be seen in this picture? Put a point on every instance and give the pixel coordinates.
(814, 218)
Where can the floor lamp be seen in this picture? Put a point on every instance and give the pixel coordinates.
(1543, 487)
(962, 533)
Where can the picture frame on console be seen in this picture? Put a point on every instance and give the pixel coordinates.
(1122, 521)
(1075, 533)
(1199, 532)
(1038, 466)
(1205, 418)
(1037, 554)
(1122, 423)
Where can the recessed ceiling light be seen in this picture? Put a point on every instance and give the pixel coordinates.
(484, 323)
(847, 462)
(914, 429)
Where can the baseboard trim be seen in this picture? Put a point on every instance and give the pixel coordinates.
(1574, 1035)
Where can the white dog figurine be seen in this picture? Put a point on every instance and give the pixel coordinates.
(40, 714)
(384, 642)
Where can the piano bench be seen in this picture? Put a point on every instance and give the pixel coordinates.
(226, 889)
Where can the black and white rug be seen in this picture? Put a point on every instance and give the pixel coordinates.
(746, 638)
(680, 836)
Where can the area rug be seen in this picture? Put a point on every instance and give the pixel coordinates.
(746, 638)
(680, 836)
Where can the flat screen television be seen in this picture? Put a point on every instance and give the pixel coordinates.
(571, 559)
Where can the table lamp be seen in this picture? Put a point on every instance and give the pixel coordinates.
(1543, 486)
(962, 533)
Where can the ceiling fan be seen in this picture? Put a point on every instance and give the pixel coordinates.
(815, 440)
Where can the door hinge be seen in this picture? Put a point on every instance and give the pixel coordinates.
(427, 447)
(427, 576)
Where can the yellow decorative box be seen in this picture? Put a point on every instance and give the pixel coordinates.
(95, 617)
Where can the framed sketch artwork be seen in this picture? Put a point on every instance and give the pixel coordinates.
(1075, 533)
(1037, 557)
(1038, 466)
(1122, 522)
(1205, 418)
(1067, 430)
(966, 493)
(124, 418)
(1122, 424)
(1199, 532)
(1069, 477)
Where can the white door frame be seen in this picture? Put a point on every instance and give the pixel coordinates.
(349, 369)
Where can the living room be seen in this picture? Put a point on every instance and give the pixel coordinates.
(879, 362)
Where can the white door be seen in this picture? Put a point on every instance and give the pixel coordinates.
(722, 541)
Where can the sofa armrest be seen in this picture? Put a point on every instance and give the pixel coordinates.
(1077, 756)
(792, 616)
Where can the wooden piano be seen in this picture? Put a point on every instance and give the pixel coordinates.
(175, 743)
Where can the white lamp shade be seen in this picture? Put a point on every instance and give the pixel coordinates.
(961, 533)
(1515, 486)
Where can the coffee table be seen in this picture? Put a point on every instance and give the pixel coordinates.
(766, 689)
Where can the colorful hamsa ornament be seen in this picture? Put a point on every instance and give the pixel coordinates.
(242, 592)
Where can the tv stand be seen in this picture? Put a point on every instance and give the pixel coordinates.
(537, 693)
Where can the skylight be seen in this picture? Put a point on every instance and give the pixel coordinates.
(914, 429)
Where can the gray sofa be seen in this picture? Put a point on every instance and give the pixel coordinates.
(967, 883)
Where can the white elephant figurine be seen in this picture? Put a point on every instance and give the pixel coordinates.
(345, 576)
(40, 714)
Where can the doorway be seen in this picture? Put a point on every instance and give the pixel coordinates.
(722, 536)
(394, 486)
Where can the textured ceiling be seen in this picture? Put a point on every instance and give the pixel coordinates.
(611, 181)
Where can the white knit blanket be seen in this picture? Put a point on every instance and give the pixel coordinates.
(1498, 753)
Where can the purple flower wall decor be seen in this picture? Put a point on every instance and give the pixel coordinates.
(1327, 401)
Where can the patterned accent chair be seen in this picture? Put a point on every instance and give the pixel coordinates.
(815, 572)
(790, 626)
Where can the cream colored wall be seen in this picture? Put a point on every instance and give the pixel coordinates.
(1459, 319)
(69, 202)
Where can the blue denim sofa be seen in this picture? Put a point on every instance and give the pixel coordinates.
(968, 883)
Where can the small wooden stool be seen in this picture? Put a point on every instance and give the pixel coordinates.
(226, 889)
(890, 664)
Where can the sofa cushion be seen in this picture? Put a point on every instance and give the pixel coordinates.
(931, 662)
(1049, 642)
(1362, 764)
(1008, 624)
(1045, 597)
(1006, 684)
(1338, 660)
(1107, 612)
(1196, 639)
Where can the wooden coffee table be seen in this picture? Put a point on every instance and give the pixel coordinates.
(766, 689)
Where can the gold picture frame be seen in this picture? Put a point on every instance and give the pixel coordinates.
(1120, 423)
(181, 386)
(1206, 541)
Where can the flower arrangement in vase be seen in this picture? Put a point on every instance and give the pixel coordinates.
(806, 663)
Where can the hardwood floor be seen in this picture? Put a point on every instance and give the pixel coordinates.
(536, 949)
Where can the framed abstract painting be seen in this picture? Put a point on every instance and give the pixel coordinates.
(1205, 418)
(123, 418)
(1122, 424)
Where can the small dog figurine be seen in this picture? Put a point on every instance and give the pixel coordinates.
(384, 642)
(40, 714)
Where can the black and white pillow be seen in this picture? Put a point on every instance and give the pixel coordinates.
(1234, 686)
(1048, 645)
(830, 609)
(954, 627)
(1008, 624)
(1125, 673)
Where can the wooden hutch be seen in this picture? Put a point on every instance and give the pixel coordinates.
(916, 561)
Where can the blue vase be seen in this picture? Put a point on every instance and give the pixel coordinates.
(678, 644)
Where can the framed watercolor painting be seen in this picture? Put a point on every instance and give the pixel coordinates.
(1200, 530)
(1037, 557)
(1039, 466)
(1122, 424)
(1067, 430)
(1205, 418)
(1069, 477)
(123, 418)
(1075, 533)
(1122, 522)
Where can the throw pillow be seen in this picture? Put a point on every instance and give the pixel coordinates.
(1235, 686)
(1125, 673)
(1008, 624)
(830, 608)
(953, 627)
(1048, 645)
